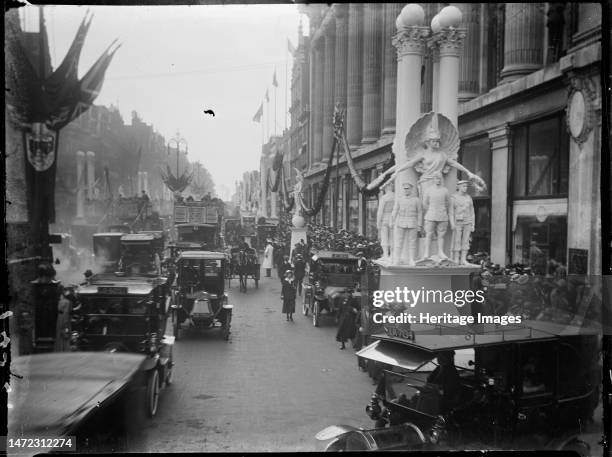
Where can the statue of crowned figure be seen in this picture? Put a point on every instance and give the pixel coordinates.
(431, 150)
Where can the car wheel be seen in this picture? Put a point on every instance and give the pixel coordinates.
(169, 370)
(578, 446)
(152, 392)
(315, 314)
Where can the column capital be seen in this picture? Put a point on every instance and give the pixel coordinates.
(499, 137)
(410, 40)
(340, 11)
(449, 41)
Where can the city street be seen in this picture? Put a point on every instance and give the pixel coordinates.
(272, 387)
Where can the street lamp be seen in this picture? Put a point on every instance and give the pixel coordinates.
(180, 144)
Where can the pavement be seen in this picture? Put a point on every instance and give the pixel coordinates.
(271, 387)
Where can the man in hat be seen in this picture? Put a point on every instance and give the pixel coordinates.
(268, 258)
(407, 217)
(461, 215)
(384, 220)
(436, 202)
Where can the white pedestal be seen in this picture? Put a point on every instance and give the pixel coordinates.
(297, 234)
(427, 278)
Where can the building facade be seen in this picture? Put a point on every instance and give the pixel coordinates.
(529, 118)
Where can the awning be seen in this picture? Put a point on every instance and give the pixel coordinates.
(409, 358)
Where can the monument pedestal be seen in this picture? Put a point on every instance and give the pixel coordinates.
(429, 279)
(297, 234)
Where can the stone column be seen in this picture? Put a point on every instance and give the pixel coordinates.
(371, 73)
(427, 86)
(341, 54)
(80, 200)
(450, 42)
(469, 64)
(328, 91)
(435, 77)
(410, 44)
(391, 10)
(90, 174)
(317, 107)
(523, 39)
(500, 153)
(354, 113)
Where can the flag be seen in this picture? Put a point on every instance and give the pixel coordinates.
(290, 46)
(274, 81)
(267, 96)
(258, 114)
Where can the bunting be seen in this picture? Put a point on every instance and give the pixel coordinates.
(258, 114)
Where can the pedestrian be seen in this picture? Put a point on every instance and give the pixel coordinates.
(347, 327)
(268, 258)
(288, 295)
(63, 326)
(300, 271)
(362, 262)
(286, 265)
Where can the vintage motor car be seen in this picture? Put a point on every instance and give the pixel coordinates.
(200, 300)
(195, 237)
(93, 396)
(332, 274)
(107, 250)
(533, 386)
(127, 314)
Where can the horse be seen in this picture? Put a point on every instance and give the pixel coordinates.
(242, 269)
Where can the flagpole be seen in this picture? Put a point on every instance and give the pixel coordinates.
(286, 84)
(275, 106)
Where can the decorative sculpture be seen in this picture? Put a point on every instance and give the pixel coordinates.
(462, 218)
(384, 221)
(431, 148)
(407, 217)
(298, 199)
(436, 204)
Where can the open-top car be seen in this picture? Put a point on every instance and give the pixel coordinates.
(533, 386)
(127, 314)
(332, 275)
(200, 300)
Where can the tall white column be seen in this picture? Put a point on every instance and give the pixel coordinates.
(410, 44)
(80, 162)
(500, 163)
(90, 174)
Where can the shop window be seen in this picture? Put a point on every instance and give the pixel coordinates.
(475, 155)
(541, 158)
(536, 243)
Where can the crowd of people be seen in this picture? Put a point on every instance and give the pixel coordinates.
(322, 237)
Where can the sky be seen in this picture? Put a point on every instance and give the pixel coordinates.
(176, 61)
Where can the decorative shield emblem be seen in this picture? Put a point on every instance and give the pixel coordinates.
(40, 146)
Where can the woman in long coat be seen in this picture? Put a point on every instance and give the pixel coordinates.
(347, 327)
(289, 295)
(268, 259)
(62, 326)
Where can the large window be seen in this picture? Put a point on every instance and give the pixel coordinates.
(476, 157)
(353, 207)
(540, 158)
(536, 243)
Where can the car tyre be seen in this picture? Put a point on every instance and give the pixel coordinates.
(152, 392)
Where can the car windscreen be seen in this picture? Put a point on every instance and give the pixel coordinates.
(337, 266)
(197, 234)
(194, 270)
(107, 247)
(113, 305)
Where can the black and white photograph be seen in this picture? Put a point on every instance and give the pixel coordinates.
(306, 227)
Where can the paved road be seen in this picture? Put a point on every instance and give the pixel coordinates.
(272, 387)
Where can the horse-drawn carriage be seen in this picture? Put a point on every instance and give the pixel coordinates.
(244, 264)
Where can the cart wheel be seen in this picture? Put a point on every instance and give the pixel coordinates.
(152, 392)
(169, 372)
(315, 314)
(304, 305)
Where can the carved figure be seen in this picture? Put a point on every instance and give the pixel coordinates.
(384, 221)
(431, 149)
(436, 203)
(298, 196)
(407, 217)
(462, 218)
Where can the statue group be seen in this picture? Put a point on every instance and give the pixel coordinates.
(426, 206)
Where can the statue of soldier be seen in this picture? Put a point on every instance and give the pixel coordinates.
(407, 217)
(436, 203)
(462, 218)
(384, 221)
